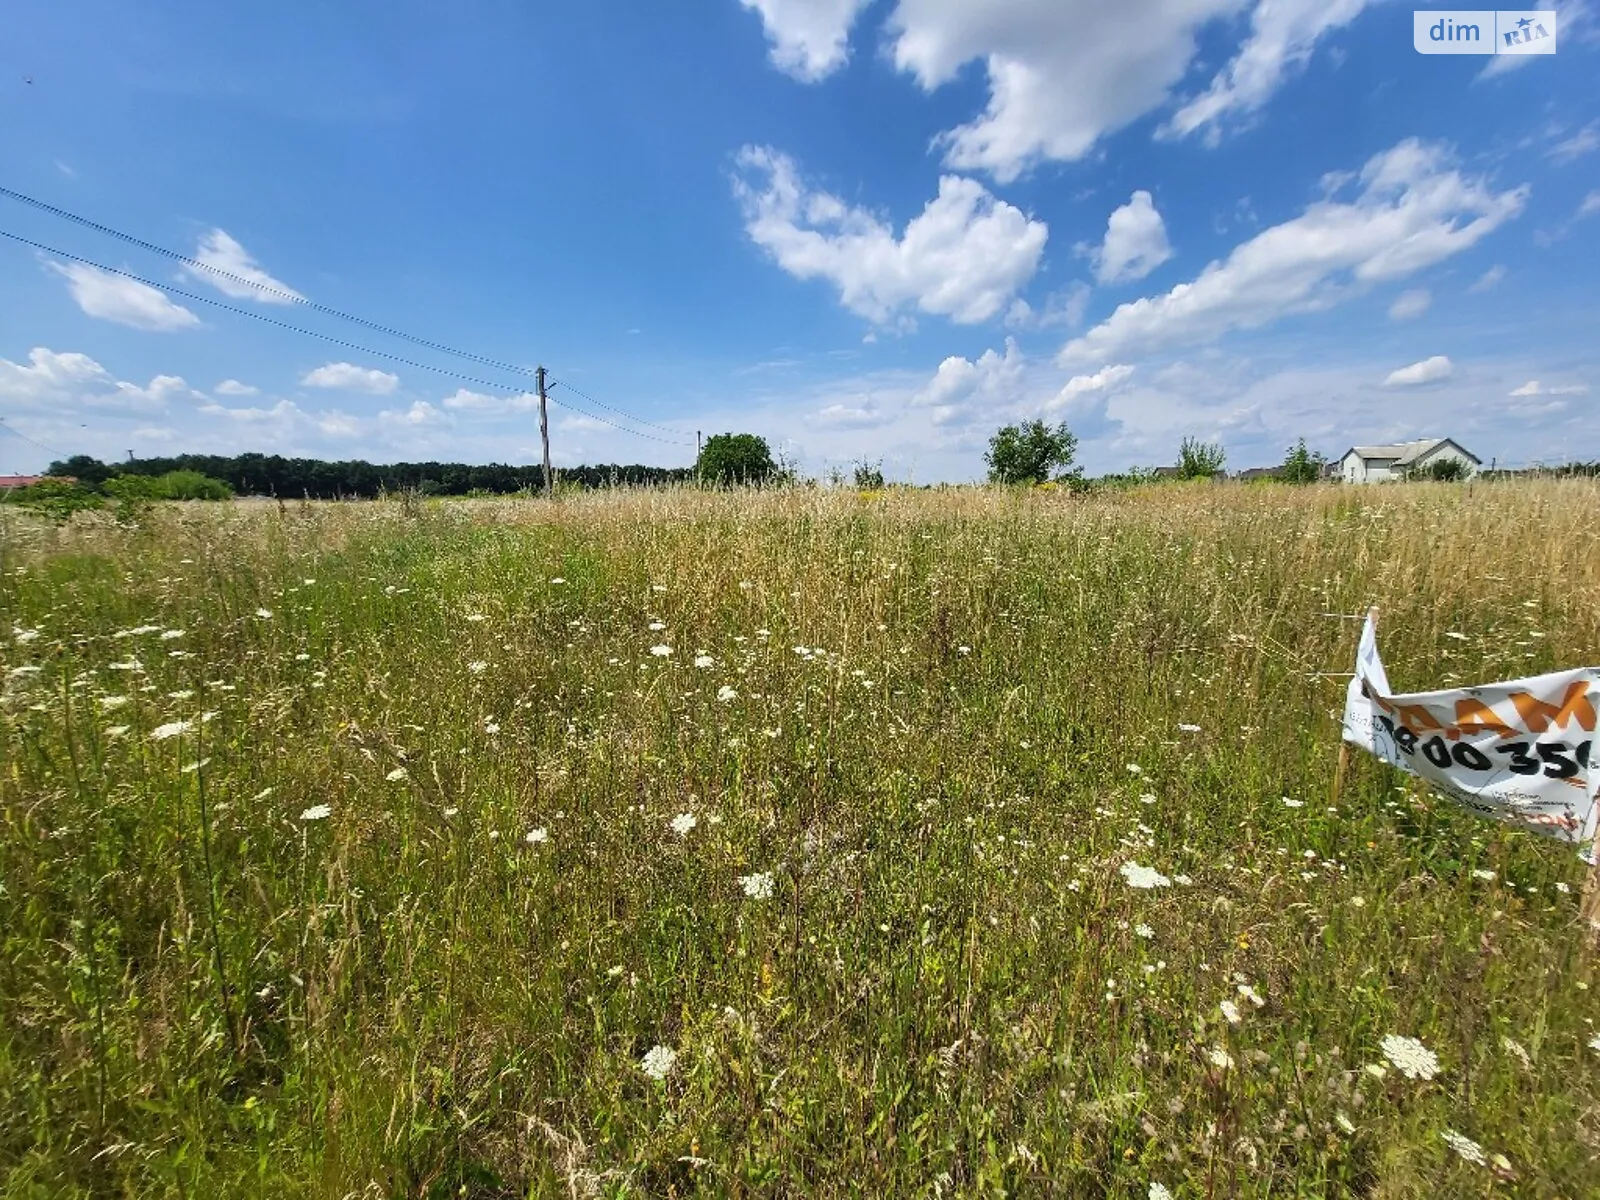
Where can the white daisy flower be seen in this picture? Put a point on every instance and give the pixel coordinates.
(704, 660)
(661, 651)
(726, 693)
(1230, 1010)
(396, 775)
(535, 836)
(170, 730)
(317, 812)
(1220, 1058)
(683, 823)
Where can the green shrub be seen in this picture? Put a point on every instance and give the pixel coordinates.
(1443, 470)
(174, 485)
(57, 499)
(191, 485)
(1200, 460)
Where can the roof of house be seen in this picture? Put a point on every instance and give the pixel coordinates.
(1250, 473)
(1403, 454)
(13, 481)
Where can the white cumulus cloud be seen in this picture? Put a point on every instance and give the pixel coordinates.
(250, 281)
(420, 415)
(113, 297)
(1135, 242)
(810, 38)
(1101, 381)
(964, 257)
(232, 387)
(1283, 34)
(1409, 304)
(1429, 370)
(350, 378)
(1413, 209)
(1061, 73)
(963, 387)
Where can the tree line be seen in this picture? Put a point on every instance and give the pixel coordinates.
(320, 479)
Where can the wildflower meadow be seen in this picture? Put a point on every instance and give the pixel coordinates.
(796, 843)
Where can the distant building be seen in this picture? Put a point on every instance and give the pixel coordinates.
(1374, 464)
(1250, 474)
(7, 482)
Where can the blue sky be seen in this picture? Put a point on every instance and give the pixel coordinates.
(860, 229)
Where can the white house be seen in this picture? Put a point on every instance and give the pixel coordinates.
(1372, 464)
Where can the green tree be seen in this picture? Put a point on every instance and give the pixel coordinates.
(1301, 465)
(84, 469)
(1199, 460)
(1029, 452)
(735, 458)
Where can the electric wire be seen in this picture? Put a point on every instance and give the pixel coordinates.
(341, 342)
(294, 297)
(609, 408)
(14, 432)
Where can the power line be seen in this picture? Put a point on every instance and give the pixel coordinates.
(294, 297)
(31, 441)
(609, 408)
(245, 312)
(266, 289)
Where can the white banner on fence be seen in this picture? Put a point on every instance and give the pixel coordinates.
(1520, 751)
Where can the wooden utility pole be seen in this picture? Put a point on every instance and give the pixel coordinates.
(544, 435)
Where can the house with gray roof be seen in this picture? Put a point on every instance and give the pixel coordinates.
(1374, 464)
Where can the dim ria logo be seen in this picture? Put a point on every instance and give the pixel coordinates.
(1483, 31)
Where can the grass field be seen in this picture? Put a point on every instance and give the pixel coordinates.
(375, 849)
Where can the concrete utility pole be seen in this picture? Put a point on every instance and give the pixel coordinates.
(544, 435)
(697, 446)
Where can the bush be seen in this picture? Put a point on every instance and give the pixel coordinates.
(174, 485)
(1200, 460)
(55, 498)
(869, 475)
(191, 485)
(1442, 470)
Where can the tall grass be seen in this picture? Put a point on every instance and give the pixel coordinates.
(898, 950)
